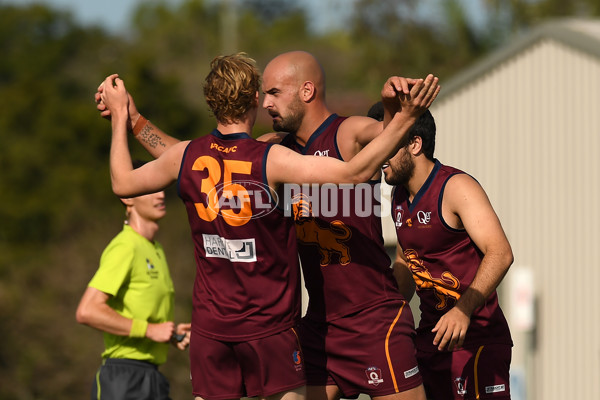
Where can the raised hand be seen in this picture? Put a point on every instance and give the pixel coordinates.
(105, 112)
(114, 96)
(391, 90)
(421, 95)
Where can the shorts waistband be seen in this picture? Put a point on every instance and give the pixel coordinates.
(130, 362)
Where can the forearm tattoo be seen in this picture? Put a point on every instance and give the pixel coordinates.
(148, 136)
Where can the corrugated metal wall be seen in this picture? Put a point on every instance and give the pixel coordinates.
(529, 132)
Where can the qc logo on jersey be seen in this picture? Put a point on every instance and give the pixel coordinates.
(398, 214)
(322, 153)
(424, 217)
(374, 376)
(461, 385)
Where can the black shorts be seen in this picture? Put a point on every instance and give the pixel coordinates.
(120, 379)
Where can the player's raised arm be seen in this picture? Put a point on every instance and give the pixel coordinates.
(152, 138)
(286, 166)
(151, 177)
(357, 131)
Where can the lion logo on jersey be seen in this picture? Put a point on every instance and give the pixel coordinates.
(444, 287)
(329, 240)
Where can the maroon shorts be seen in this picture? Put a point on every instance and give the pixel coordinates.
(469, 373)
(370, 352)
(261, 367)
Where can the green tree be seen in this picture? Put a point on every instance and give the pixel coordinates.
(54, 191)
(57, 210)
(517, 15)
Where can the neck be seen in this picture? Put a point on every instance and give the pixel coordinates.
(311, 122)
(245, 124)
(423, 168)
(144, 227)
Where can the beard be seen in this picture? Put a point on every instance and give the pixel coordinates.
(400, 170)
(292, 121)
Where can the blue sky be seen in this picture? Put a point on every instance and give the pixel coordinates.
(111, 14)
(115, 14)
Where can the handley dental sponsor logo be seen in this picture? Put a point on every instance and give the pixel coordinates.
(238, 250)
(241, 201)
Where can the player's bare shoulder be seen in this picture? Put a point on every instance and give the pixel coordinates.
(355, 132)
(463, 194)
(357, 123)
(461, 184)
(360, 129)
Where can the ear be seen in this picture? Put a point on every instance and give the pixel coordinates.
(415, 146)
(127, 201)
(308, 91)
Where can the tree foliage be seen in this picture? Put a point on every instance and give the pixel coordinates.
(57, 209)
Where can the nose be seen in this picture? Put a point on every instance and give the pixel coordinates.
(266, 102)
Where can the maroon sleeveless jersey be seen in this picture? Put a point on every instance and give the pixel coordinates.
(443, 262)
(345, 265)
(247, 282)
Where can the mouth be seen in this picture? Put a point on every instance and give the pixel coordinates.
(160, 206)
(384, 166)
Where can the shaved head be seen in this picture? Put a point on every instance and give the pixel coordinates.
(294, 89)
(297, 67)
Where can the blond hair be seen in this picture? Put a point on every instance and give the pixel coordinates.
(230, 87)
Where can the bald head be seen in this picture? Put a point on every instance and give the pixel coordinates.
(294, 89)
(297, 67)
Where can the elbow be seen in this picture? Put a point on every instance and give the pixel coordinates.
(510, 258)
(507, 257)
(116, 187)
(82, 316)
(118, 184)
(119, 190)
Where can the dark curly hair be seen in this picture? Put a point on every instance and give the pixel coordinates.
(424, 127)
(230, 87)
